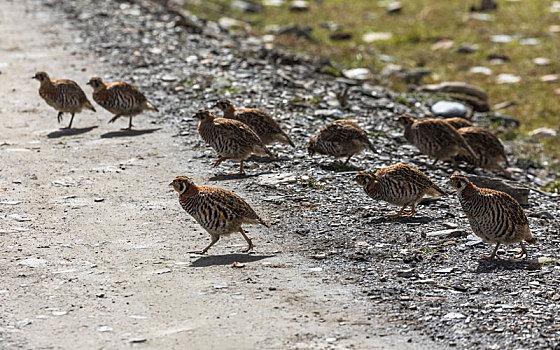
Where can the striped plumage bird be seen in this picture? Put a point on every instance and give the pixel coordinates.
(494, 216)
(488, 148)
(63, 95)
(435, 138)
(458, 122)
(261, 122)
(218, 211)
(230, 138)
(398, 184)
(119, 98)
(341, 138)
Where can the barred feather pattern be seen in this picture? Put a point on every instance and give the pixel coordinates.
(438, 139)
(218, 211)
(263, 125)
(486, 145)
(398, 184)
(64, 95)
(341, 138)
(458, 123)
(122, 98)
(495, 216)
(231, 139)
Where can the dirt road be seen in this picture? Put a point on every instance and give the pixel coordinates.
(93, 242)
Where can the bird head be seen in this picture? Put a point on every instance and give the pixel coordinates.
(311, 146)
(223, 104)
(181, 184)
(364, 178)
(459, 182)
(204, 115)
(405, 120)
(41, 76)
(96, 83)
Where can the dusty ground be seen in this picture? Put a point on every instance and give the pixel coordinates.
(93, 242)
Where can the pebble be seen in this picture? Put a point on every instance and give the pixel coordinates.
(480, 70)
(446, 270)
(505, 78)
(358, 73)
(394, 7)
(449, 109)
(450, 233)
(377, 36)
(501, 38)
(32, 262)
(529, 42)
(453, 316)
(541, 61)
(299, 6)
(444, 44)
(550, 78)
(544, 133)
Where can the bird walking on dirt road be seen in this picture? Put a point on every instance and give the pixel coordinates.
(398, 184)
(494, 216)
(218, 211)
(341, 138)
(63, 95)
(488, 148)
(120, 98)
(230, 138)
(261, 122)
(435, 138)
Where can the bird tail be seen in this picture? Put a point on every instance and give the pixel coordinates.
(371, 147)
(286, 139)
(149, 105)
(90, 106)
(468, 149)
(262, 222)
(435, 191)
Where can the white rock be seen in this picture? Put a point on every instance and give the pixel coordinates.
(541, 61)
(501, 39)
(544, 133)
(358, 74)
(480, 70)
(377, 36)
(453, 316)
(32, 262)
(507, 79)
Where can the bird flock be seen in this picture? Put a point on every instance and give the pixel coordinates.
(494, 216)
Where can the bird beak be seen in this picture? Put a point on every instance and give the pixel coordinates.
(171, 184)
(34, 77)
(214, 106)
(88, 83)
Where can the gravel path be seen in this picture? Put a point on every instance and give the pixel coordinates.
(332, 266)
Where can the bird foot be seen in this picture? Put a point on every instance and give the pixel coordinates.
(199, 252)
(126, 129)
(488, 257)
(247, 250)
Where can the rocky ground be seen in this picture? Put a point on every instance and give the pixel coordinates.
(428, 282)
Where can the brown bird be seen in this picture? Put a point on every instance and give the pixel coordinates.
(63, 95)
(458, 122)
(435, 138)
(122, 99)
(261, 122)
(398, 184)
(494, 216)
(230, 138)
(218, 211)
(341, 138)
(488, 148)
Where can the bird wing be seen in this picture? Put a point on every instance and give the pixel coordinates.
(511, 207)
(239, 131)
(70, 88)
(228, 203)
(128, 90)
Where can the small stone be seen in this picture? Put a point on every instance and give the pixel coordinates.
(542, 61)
(377, 36)
(169, 78)
(237, 264)
(98, 200)
(271, 180)
(544, 133)
(299, 6)
(555, 28)
(104, 329)
(328, 113)
(467, 48)
(406, 273)
(550, 78)
(501, 39)
(137, 340)
(231, 23)
(444, 44)
(450, 233)
(505, 78)
(394, 7)
(453, 316)
(358, 74)
(484, 17)
(480, 70)
(529, 42)
(446, 270)
(449, 109)
(59, 313)
(32, 262)
(247, 6)
(546, 260)
(275, 3)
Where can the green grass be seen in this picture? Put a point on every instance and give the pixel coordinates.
(421, 24)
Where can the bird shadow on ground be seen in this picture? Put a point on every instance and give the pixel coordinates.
(227, 259)
(340, 167)
(127, 133)
(486, 266)
(257, 159)
(402, 220)
(225, 177)
(69, 132)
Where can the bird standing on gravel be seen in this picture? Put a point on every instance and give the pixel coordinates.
(494, 216)
(458, 122)
(488, 148)
(261, 122)
(218, 211)
(435, 138)
(398, 184)
(63, 95)
(122, 99)
(230, 138)
(341, 138)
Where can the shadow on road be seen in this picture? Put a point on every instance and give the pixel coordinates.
(127, 133)
(403, 220)
(224, 177)
(485, 266)
(69, 132)
(227, 259)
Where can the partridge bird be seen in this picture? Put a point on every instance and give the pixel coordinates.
(231, 138)
(218, 211)
(122, 99)
(458, 122)
(487, 147)
(435, 138)
(63, 95)
(261, 122)
(341, 138)
(398, 184)
(494, 216)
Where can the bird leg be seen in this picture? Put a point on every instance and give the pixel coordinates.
(59, 116)
(412, 209)
(218, 162)
(129, 123)
(117, 116)
(522, 252)
(248, 241)
(203, 251)
(435, 161)
(493, 255)
(71, 120)
(347, 160)
(241, 172)
(401, 212)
